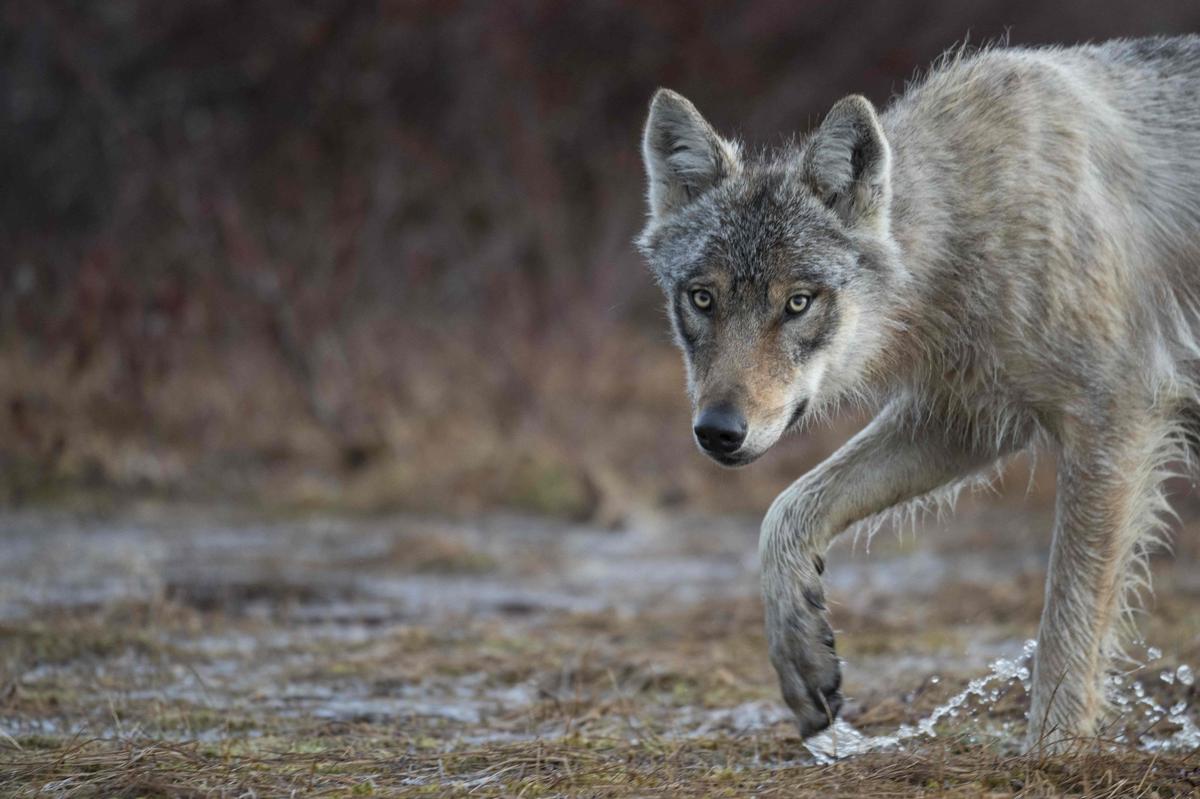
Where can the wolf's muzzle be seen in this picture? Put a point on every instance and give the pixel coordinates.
(720, 429)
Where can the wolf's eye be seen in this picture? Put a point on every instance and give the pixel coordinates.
(798, 303)
(702, 299)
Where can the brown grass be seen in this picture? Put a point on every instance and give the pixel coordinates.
(341, 763)
(577, 428)
(611, 686)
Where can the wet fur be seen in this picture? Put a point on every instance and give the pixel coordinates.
(1006, 257)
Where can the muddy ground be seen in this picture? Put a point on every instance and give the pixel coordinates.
(171, 650)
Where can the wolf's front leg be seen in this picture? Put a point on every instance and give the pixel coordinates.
(1108, 502)
(902, 454)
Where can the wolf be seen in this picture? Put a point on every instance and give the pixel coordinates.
(1006, 258)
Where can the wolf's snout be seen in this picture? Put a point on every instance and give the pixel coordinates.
(720, 429)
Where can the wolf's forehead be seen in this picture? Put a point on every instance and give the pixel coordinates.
(759, 227)
(765, 233)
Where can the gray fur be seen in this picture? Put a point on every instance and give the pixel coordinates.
(1007, 257)
(684, 156)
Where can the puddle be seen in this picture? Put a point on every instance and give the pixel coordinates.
(748, 717)
(345, 571)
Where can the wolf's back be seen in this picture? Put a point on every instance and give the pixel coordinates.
(1076, 154)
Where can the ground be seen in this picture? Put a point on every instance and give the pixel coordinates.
(184, 651)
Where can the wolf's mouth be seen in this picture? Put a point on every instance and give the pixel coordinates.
(732, 461)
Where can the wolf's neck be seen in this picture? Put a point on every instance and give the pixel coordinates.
(922, 218)
(923, 226)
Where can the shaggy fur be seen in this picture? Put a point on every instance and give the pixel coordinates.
(1006, 257)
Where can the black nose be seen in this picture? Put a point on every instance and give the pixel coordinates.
(720, 429)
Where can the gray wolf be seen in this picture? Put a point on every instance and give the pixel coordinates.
(1007, 257)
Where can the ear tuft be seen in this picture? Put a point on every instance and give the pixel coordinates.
(848, 164)
(683, 155)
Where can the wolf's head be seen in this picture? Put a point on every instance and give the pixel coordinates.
(777, 269)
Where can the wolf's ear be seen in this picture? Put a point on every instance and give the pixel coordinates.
(683, 154)
(848, 163)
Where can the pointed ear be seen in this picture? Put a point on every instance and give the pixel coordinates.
(684, 156)
(848, 163)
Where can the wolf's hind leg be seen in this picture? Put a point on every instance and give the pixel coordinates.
(1109, 509)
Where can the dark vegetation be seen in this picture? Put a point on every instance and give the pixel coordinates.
(379, 255)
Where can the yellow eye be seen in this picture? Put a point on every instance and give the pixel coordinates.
(702, 299)
(798, 303)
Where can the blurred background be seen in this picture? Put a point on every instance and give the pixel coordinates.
(362, 256)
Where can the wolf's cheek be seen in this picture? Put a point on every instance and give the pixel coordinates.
(813, 376)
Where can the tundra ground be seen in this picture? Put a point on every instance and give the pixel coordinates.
(172, 651)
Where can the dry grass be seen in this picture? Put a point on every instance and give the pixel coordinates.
(346, 762)
(582, 426)
(610, 692)
(287, 658)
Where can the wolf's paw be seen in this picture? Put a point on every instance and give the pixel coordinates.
(802, 651)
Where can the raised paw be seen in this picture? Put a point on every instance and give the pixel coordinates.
(802, 652)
